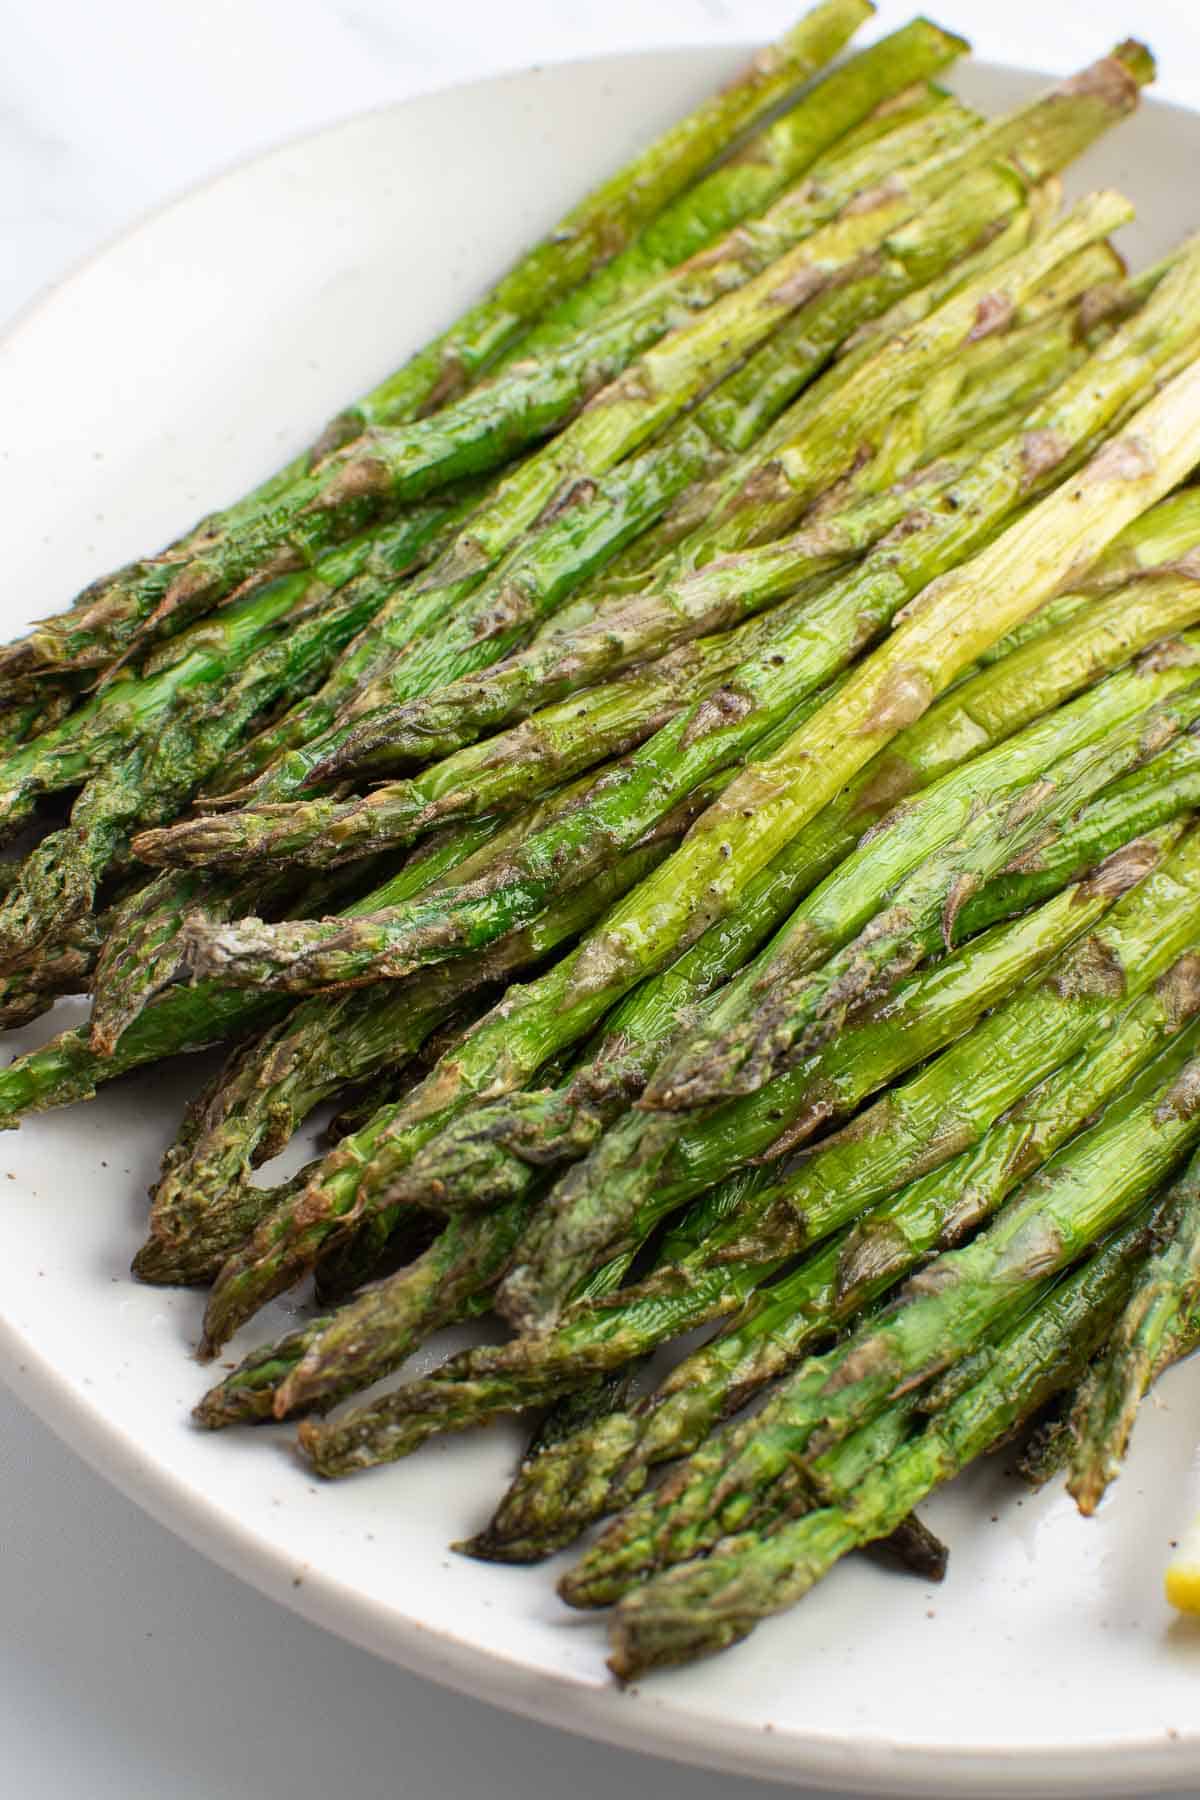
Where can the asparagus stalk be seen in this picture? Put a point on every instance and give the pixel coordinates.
(97, 732)
(1148, 1337)
(805, 141)
(728, 723)
(492, 1053)
(1089, 1187)
(108, 625)
(281, 1068)
(607, 219)
(623, 628)
(255, 1390)
(448, 1281)
(941, 636)
(728, 419)
(729, 1262)
(559, 742)
(500, 1157)
(383, 1317)
(389, 467)
(605, 1468)
(170, 750)
(602, 224)
(1034, 1032)
(611, 719)
(700, 1274)
(784, 480)
(651, 392)
(499, 1148)
(723, 514)
(753, 397)
(30, 706)
(649, 380)
(492, 1150)
(1071, 527)
(650, 1163)
(59, 968)
(183, 1019)
(794, 999)
(704, 1607)
(247, 1394)
(565, 741)
(258, 1102)
(139, 956)
(240, 646)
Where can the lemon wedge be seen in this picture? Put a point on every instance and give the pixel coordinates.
(1183, 1572)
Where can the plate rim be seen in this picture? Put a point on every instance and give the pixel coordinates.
(637, 1718)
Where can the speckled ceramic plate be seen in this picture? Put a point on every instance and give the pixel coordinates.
(161, 379)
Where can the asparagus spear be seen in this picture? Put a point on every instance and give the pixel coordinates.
(649, 380)
(561, 741)
(277, 1077)
(785, 479)
(30, 706)
(1087, 1188)
(805, 141)
(723, 514)
(139, 956)
(104, 628)
(564, 742)
(607, 219)
(258, 1102)
(97, 732)
(449, 1280)
(610, 719)
(310, 954)
(729, 1262)
(650, 1163)
(599, 226)
(247, 1394)
(243, 645)
(180, 730)
(703, 737)
(605, 1468)
(1071, 526)
(1019, 1043)
(463, 1253)
(493, 1148)
(499, 1148)
(1156, 1322)
(799, 1000)
(699, 1277)
(183, 1019)
(472, 1066)
(384, 1315)
(581, 528)
(706, 1606)
(621, 629)
(651, 392)
(754, 397)
(728, 419)
(59, 968)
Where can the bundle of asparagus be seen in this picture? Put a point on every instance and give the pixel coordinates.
(775, 609)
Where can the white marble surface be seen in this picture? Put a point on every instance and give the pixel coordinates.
(128, 1666)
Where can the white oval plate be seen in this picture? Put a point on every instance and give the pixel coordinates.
(163, 378)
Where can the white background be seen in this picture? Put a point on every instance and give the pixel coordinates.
(128, 1666)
